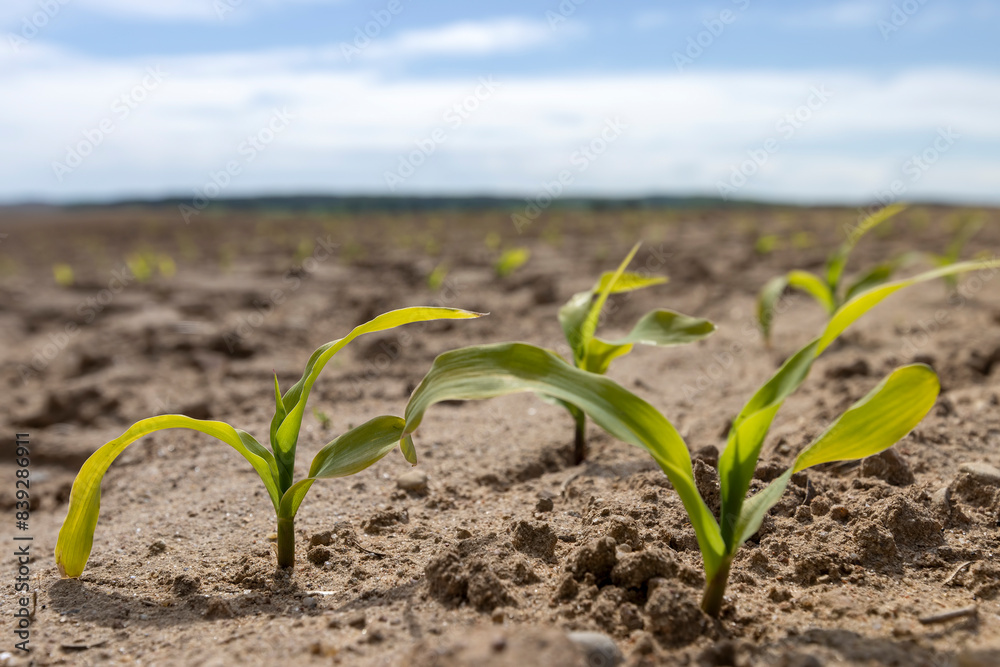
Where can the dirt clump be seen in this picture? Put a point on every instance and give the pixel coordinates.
(534, 538)
(596, 558)
(673, 614)
(454, 580)
(889, 466)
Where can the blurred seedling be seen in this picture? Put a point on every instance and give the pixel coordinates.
(437, 276)
(350, 453)
(964, 227)
(63, 275)
(511, 260)
(324, 419)
(492, 241)
(829, 291)
(875, 423)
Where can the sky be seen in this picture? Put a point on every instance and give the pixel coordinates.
(823, 102)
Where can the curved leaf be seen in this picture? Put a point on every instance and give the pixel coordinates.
(286, 430)
(767, 300)
(838, 260)
(816, 288)
(738, 460)
(746, 437)
(346, 455)
(662, 328)
(358, 448)
(875, 423)
(627, 282)
(488, 371)
(862, 303)
(76, 537)
(665, 328)
(879, 274)
(580, 315)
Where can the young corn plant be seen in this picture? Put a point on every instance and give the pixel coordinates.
(349, 453)
(875, 423)
(829, 291)
(580, 316)
(965, 227)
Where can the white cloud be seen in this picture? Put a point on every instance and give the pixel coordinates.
(465, 38)
(684, 131)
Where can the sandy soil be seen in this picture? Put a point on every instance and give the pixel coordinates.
(507, 547)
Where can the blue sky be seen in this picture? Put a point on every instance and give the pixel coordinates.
(812, 102)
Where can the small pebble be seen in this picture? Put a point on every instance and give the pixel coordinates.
(983, 473)
(309, 602)
(544, 505)
(414, 481)
(597, 648)
(357, 620)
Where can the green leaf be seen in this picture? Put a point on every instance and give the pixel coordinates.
(862, 303)
(746, 437)
(665, 328)
(511, 260)
(497, 370)
(738, 460)
(837, 261)
(76, 537)
(662, 328)
(601, 353)
(346, 455)
(286, 430)
(879, 274)
(816, 288)
(580, 315)
(626, 282)
(358, 448)
(875, 423)
(767, 300)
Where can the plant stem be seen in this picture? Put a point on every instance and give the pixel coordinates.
(580, 438)
(286, 542)
(715, 590)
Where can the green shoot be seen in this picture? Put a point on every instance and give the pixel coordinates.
(347, 454)
(63, 275)
(510, 261)
(965, 227)
(324, 419)
(436, 278)
(875, 423)
(579, 318)
(828, 290)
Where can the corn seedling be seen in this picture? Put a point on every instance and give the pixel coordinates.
(828, 291)
(966, 226)
(350, 453)
(580, 316)
(435, 279)
(510, 261)
(63, 275)
(875, 423)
